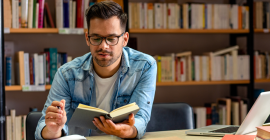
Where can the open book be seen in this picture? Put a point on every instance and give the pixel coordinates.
(84, 115)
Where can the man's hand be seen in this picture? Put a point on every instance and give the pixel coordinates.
(55, 120)
(125, 129)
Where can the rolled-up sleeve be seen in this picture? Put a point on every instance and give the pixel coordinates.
(59, 90)
(143, 95)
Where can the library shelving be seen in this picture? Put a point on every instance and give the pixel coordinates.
(19, 88)
(217, 31)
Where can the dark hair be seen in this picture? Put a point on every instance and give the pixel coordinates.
(105, 10)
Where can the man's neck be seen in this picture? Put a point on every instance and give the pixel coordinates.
(107, 72)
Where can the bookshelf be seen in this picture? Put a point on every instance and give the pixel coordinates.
(196, 31)
(19, 88)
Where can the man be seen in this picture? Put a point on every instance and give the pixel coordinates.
(108, 77)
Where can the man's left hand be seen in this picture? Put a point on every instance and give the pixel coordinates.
(125, 129)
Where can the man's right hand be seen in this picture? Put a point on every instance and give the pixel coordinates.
(55, 120)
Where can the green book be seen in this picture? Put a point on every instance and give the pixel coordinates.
(53, 62)
(34, 13)
(84, 115)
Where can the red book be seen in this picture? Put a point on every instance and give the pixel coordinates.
(208, 114)
(40, 13)
(31, 71)
(80, 13)
(238, 137)
(49, 15)
(47, 68)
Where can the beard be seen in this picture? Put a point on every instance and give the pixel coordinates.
(106, 62)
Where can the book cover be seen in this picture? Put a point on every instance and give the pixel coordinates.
(41, 78)
(15, 13)
(47, 68)
(70, 13)
(24, 14)
(8, 128)
(80, 14)
(30, 14)
(66, 13)
(36, 69)
(59, 13)
(49, 16)
(8, 70)
(150, 16)
(74, 3)
(37, 14)
(53, 62)
(84, 115)
(34, 14)
(41, 13)
(26, 69)
(20, 68)
(31, 69)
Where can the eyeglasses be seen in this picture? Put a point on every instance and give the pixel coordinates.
(110, 40)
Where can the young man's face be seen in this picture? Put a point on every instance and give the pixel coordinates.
(106, 54)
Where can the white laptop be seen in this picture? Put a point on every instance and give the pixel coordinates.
(256, 117)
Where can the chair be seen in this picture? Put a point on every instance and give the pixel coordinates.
(31, 124)
(170, 116)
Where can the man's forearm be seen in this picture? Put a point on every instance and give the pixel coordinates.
(132, 133)
(46, 134)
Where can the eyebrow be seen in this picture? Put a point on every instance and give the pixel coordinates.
(94, 34)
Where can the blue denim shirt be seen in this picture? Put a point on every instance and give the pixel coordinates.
(136, 82)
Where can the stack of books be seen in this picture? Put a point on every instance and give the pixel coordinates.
(187, 16)
(15, 126)
(263, 133)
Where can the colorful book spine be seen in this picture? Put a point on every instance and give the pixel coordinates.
(80, 13)
(31, 69)
(34, 13)
(53, 62)
(47, 68)
(8, 70)
(66, 13)
(41, 13)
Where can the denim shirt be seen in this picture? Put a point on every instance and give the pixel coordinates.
(136, 82)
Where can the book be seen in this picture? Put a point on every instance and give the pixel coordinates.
(8, 70)
(66, 14)
(224, 102)
(7, 14)
(238, 137)
(86, 5)
(34, 14)
(59, 13)
(30, 14)
(80, 13)
(49, 16)
(53, 62)
(263, 132)
(26, 69)
(24, 18)
(84, 115)
(13, 123)
(37, 14)
(8, 128)
(15, 13)
(41, 13)
(20, 68)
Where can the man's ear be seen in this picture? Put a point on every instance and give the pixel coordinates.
(126, 38)
(86, 38)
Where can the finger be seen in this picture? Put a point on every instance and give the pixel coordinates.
(97, 121)
(56, 103)
(103, 120)
(53, 109)
(131, 119)
(100, 127)
(53, 115)
(64, 105)
(111, 124)
(49, 120)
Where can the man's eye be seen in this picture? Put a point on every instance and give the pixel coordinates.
(96, 39)
(110, 39)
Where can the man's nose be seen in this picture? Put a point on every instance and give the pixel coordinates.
(103, 44)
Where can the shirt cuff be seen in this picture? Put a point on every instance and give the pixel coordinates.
(140, 126)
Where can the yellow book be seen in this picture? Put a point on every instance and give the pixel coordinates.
(20, 67)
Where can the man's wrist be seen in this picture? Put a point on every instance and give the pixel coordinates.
(47, 134)
(131, 133)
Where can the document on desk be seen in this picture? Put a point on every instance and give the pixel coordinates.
(72, 137)
(166, 138)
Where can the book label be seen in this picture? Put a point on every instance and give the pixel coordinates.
(33, 88)
(79, 31)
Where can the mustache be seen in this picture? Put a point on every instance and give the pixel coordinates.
(103, 51)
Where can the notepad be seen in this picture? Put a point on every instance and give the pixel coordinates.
(84, 115)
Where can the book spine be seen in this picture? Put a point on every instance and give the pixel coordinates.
(41, 13)
(53, 62)
(24, 16)
(44, 68)
(74, 14)
(86, 5)
(18, 127)
(8, 128)
(130, 15)
(150, 16)
(8, 70)
(34, 14)
(49, 15)
(13, 123)
(36, 69)
(33, 60)
(80, 12)
(66, 13)
(37, 14)
(31, 71)
(70, 13)
(26, 69)
(41, 70)
(59, 13)
(15, 13)
(47, 68)
(30, 14)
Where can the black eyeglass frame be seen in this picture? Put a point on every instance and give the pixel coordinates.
(106, 39)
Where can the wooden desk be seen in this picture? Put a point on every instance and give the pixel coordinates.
(162, 134)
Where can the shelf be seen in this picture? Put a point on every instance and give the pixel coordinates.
(218, 31)
(261, 30)
(25, 30)
(202, 83)
(262, 81)
(19, 88)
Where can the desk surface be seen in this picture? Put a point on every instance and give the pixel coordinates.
(162, 134)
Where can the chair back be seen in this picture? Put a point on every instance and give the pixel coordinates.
(31, 124)
(170, 116)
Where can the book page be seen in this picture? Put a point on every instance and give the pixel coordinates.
(124, 109)
(132, 104)
(91, 108)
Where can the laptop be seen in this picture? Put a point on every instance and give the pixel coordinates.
(255, 117)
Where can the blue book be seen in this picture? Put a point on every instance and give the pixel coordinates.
(8, 70)
(64, 58)
(66, 13)
(53, 62)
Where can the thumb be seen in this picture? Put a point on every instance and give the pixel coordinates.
(131, 119)
(64, 104)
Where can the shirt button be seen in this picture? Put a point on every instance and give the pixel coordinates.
(148, 102)
(89, 88)
(125, 100)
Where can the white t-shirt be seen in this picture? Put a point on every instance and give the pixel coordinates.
(104, 90)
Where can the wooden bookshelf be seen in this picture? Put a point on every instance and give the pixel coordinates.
(217, 31)
(19, 88)
(42, 30)
(261, 30)
(262, 81)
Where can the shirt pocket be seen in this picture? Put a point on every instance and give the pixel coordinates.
(122, 100)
